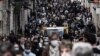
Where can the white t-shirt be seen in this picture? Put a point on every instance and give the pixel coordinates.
(30, 54)
(22, 45)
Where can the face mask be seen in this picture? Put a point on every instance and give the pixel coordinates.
(16, 48)
(98, 47)
(35, 41)
(46, 43)
(55, 43)
(66, 54)
(66, 4)
(27, 51)
(46, 39)
(44, 47)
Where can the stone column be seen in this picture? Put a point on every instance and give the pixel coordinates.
(24, 17)
(1, 21)
(11, 18)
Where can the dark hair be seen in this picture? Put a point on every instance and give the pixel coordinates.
(91, 38)
(1, 38)
(6, 47)
(22, 36)
(19, 53)
(28, 44)
(53, 34)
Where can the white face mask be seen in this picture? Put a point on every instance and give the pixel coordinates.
(66, 54)
(16, 48)
(66, 4)
(55, 43)
(46, 43)
(27, 51)
(44, 47)
(98, 47)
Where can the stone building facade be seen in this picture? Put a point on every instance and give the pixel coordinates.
(11, 19)
(4, 17)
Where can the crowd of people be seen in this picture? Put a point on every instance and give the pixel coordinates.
(59, 13)
(80, 40)
(54, 45)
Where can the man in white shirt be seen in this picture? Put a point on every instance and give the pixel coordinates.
(29, 54)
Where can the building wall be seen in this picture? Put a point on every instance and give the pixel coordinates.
(4, 18)
(1, 21)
